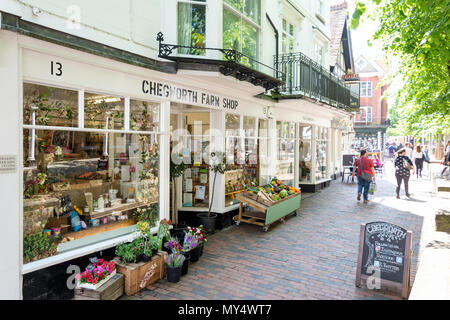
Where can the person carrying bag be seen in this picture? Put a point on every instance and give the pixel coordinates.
(366, 174)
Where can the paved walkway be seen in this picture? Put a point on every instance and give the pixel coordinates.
(311, 256)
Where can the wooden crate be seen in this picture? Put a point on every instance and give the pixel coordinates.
(111, 290)
(134, 272)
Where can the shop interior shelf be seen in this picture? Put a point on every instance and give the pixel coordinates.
(123, 207)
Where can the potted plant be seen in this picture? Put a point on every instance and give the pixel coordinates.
(174, 262)
(96, 274)
(38, 245)
(163, 232)
(216, 165)
(131, 252)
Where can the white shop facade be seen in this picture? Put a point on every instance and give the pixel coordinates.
(76, 127)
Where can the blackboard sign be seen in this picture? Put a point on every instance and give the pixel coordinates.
(385, 249)
(348, 160)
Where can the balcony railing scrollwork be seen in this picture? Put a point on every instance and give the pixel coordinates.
(229, 61)
(304, 76)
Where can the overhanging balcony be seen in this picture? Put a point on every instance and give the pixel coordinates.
(226, 61)
(304, 77)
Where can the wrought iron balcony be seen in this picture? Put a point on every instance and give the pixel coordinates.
(229, 62)
(305, 77)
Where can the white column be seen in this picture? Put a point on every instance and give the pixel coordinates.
(217, 143)
(296, 156)
(313, 154)
(11, 195)
(164, 162)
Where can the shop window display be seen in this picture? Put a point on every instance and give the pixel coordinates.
(242, 156)
(305, 153)
(321, 152)
(103, 111)
(285, 151)
(81, 184)
(144, 116)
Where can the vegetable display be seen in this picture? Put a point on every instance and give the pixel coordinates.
(274, 191)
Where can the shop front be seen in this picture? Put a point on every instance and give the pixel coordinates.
(98, 136)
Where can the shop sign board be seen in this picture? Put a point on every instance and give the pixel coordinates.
(65, 72)
(384, 257)
(8, 163)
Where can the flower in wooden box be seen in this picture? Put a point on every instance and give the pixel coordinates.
(96, 274)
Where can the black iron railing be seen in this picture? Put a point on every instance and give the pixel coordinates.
(306, 77)
(232, 62)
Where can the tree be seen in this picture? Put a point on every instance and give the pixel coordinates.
(416, 32)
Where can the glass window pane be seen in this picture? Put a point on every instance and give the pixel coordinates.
(103, 111)
(249, 44)
(250, 126)
(232, 124)
(191, 28)
(47, 106)
(263, 127)
(106, 176)
(231, 31)
(144, 116)
(237, 4)
(252, 10)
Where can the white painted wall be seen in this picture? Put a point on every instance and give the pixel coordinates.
(10, 188)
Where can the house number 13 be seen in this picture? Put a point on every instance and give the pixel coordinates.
(56, 68)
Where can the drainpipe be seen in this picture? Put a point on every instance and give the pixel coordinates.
(276, 41)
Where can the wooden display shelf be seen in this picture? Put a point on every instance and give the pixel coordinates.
(123, 207)
(90, 231)
(263, 214)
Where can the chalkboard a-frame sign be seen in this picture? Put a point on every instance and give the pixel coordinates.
(385, 250)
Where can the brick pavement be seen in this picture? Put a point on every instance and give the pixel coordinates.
(311, 256)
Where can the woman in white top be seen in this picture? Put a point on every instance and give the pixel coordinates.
(418, 158)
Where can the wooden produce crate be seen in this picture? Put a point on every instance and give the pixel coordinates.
(111, 290)
(265, 213)
(134, 272)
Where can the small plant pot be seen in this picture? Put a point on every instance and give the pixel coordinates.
(178, 232)
(173, 274)
(195, 254)
(201, 249)
(185, 267)
(208, 222)
(146, 258)
(139, 258)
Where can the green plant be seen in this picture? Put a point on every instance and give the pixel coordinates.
(38, 245)
(149, 214)
(129, 251)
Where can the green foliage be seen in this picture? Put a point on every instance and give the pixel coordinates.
(149, 214)
(416, 32)
(37, 246)
(176, 170)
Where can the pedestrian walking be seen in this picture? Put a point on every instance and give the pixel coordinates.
(392, 149)
(403, 166)
(446, 161)
(408, 150)
(418, 157)
(366, 174)
(426, 154)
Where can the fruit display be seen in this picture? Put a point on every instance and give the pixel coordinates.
(274, 191)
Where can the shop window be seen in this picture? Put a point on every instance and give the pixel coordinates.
(103, 111)
(144, 116)
(285, 152)
(305, 153)
(192, 27)
(241, 20)
(321, 153)
(242, 156)
(83, 186)
(48, 106)
(366, 89)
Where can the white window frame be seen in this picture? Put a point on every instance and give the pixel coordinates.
(366, 89)
(242, 16)
(366, 119)
(285, 33)
(205, 3)
(67, 252)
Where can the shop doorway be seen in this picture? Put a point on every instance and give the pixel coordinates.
(190, 141)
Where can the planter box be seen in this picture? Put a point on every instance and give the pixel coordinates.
(97, 285)
(134, 272)
(111, 290)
